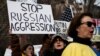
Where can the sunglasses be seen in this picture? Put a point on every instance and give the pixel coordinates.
(89, 24)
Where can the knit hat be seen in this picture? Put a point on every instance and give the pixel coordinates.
(63, 36)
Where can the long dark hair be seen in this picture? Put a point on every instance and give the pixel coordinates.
(55, 39)
(45, 44)
(75, 23)
(25, 47)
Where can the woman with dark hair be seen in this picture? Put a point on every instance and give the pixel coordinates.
(56, 47)
(28, 50)
(81, 30)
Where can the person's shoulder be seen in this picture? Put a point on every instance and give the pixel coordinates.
(74, 44)
(71, 45)
(23, 54)
(71, 49)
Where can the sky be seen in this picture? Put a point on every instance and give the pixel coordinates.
(97, 2)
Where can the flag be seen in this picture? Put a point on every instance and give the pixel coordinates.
(67, 15)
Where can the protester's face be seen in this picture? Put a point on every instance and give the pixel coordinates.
(29, 50)
(59, 44)
(85, 30)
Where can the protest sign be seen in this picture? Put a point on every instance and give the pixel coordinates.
(61, 26)
(96, 35)
(30, 1)
(29, 18)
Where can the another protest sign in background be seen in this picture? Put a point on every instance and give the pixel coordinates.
(61, 26)
(96, 36)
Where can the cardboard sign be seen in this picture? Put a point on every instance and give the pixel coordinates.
(61, 27)
(29, 18)
(37, 49)
(96, 35)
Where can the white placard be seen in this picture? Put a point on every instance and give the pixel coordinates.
(30, 1)
(96, 35)
(37, 49)
(61, 27)
(29, 18)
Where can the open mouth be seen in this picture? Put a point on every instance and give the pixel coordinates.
(58, 45)
(91, 32)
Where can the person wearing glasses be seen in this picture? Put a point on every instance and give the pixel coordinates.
(81, 30)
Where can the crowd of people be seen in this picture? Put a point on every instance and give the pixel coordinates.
(81, 30)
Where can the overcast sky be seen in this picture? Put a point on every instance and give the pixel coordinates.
(97, 2)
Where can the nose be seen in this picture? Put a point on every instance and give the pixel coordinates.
(58, 41)
(93, 27)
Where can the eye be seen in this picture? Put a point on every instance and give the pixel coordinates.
(89, 24)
